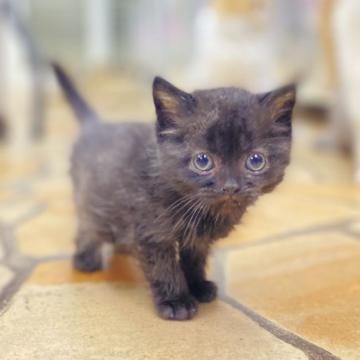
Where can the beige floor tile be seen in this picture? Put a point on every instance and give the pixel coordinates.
(53, 189)
(313, 166)
(296, 207)
(47, 234)
(7, 194)
(53, 231)
(122, 268)
(5, 276)
(56, 194)
(14, 167)
(354, 228)
(109, 321)
(309, 284)
(346, 196)
(18, 209)
(2, 251)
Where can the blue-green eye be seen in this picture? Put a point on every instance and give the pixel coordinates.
(256, 162)
(203, 162)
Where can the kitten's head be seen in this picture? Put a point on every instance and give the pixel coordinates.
(224, 145)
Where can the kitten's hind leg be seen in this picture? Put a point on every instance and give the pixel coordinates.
(89, 260)
(88, 254)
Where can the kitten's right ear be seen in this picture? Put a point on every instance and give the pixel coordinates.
(172, 106)
(280, 103)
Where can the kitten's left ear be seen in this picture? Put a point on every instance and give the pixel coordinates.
(280, 103)
(172, 105)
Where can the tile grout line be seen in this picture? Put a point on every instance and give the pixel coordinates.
(340, 226)
(312, 351)
(20, 265)
(12, 259)
(14, 285)
(353, 234)
(36, 210)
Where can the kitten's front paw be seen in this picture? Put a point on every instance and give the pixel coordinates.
(88, 261)
(183, 308)
(204, 291)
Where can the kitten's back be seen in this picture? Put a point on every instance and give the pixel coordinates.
(107, 153)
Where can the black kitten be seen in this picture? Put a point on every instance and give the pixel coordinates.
(168, 191)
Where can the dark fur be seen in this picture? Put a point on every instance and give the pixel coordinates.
(135, 187)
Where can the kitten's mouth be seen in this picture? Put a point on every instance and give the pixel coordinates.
(231, 199)
(224, 199)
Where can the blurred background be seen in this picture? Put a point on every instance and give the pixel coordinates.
(114, 48)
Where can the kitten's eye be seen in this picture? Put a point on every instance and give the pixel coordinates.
(203, 162)
(255, 162)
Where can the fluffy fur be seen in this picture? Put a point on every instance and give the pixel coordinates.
(136, 184)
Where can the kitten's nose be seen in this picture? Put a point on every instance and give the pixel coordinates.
(231, 187)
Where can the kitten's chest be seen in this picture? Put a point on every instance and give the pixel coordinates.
(208, 228)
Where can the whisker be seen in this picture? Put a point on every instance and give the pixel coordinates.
(197, 221)
(180, 207)
(193, 226)
(188, 225)
(217, 218)
(189, 210)
(180, 202)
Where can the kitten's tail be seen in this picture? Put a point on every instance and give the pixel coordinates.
(81, 108)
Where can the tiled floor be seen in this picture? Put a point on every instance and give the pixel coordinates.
(289, 276)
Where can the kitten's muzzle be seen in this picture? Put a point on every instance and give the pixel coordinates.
(231, 187)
